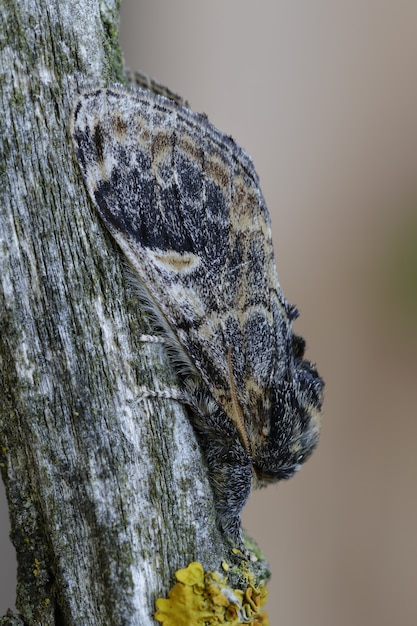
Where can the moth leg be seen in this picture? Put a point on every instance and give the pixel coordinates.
(167, 394)
(152, 339)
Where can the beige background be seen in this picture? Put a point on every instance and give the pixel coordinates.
(323, 95)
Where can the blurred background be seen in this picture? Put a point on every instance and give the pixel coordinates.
(323, 96)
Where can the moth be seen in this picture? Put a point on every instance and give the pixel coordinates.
(183, 202)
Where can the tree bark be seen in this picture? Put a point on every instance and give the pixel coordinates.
(108, 491)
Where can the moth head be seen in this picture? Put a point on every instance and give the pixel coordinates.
(293, 424)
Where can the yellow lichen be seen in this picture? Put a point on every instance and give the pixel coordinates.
(203, 599)
(36, 567)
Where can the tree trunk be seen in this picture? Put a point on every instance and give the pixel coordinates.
(108, 491)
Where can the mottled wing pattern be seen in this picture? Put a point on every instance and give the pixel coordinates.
(184, 204)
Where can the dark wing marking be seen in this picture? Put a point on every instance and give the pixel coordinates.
(183, 202)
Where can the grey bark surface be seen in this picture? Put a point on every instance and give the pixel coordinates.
(108, 492)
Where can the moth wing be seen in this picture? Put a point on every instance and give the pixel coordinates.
(184, 204)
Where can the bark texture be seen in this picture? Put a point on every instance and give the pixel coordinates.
(108, 493)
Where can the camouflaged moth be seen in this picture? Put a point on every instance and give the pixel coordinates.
(183, 202)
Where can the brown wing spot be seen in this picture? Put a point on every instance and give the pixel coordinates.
(218, 172)
(161, 146)
(140, 131)
(188, 146)
(120, 128)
